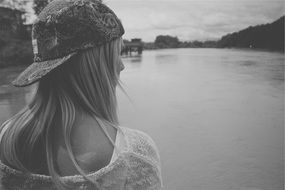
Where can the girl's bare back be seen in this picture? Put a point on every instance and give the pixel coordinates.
(91, 147)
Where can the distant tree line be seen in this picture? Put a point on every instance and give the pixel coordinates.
(266, 36)
(167, 41)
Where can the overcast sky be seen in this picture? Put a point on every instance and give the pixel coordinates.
(192, 19)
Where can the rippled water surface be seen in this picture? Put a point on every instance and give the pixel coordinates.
(216, 115)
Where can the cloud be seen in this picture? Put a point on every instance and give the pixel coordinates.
(192, 19)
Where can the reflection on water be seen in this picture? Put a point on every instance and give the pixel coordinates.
(215, 114)
(136, 59)
(249, 63)
(165, 57)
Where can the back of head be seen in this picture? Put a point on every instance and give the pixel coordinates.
(64, 28)
(88, 80)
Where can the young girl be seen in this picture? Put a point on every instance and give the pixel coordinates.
(68, 136)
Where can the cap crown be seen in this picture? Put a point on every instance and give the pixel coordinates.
(66, 26)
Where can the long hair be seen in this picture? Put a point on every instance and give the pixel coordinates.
(87, 82)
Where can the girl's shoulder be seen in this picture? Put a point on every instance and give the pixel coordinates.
(144, 160)
(142, 145)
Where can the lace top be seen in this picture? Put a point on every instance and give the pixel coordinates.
(135, 167)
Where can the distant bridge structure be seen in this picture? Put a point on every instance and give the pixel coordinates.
(135, 45)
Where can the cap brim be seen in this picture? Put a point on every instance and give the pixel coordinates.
(39, 69)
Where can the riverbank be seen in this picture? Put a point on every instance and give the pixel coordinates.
(19, 53)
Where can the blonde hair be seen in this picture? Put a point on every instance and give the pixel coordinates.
(86, 83)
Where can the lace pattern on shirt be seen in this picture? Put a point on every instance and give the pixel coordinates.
(136, 168)
(144, 158)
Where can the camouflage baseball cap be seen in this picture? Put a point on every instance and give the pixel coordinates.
(62, 29)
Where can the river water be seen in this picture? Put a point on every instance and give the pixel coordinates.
(216, 115)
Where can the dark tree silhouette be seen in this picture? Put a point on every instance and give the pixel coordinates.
(39, 5)
(266, 36)
(166, 41)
